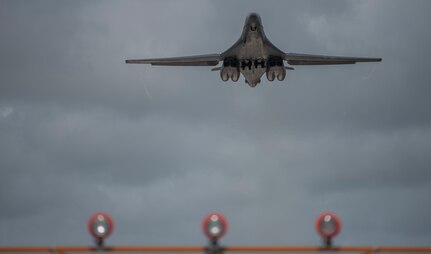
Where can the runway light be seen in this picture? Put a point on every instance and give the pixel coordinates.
(214, 226)
(100, 226)
(328, 225)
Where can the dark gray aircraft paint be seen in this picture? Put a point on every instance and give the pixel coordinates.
(252, 55)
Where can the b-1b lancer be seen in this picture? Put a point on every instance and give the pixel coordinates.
(252, 55)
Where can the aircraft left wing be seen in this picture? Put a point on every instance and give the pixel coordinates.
(306, 59)
(198, 60)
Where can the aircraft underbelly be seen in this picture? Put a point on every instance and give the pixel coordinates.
(253, 49)
(253, 75)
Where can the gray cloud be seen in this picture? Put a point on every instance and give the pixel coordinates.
(158, 148)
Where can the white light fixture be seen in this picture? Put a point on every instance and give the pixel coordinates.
(328, 225)
(214, 226)
(100, 226)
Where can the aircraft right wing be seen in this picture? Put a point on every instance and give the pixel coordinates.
(199, 60)
(306, 59)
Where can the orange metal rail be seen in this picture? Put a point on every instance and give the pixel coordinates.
(269, 249)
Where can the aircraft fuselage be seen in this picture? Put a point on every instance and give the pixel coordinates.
(252, 51)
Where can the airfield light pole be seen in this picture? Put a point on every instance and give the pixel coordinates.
(328, 225)
(100, 225)
(214, 226)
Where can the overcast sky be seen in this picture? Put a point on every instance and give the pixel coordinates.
(160, 147)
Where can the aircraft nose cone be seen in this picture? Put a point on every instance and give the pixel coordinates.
(253, 19)
(253, 15)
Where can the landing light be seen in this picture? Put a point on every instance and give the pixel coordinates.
(328, 225)
(100, 226)
(214, 226)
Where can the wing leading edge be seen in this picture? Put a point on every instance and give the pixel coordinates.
(306, 59)
(198, 60)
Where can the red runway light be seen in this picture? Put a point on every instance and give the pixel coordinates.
(328, 225)
(214, 226)
(100, 225)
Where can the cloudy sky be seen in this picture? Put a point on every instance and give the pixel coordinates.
(160, 147)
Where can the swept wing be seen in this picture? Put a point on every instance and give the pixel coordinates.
(306, 59)
(198, 60)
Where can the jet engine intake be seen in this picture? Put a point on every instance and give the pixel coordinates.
(275, 61)
(230, 62)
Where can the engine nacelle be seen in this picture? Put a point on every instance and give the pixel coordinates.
(227, 73)
(235, 75)
(270, 74)
(275, 68)
(224, 74)
(276, 72)
(281, 74)
(230, 69)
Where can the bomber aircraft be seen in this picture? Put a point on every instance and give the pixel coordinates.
(252, 55)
